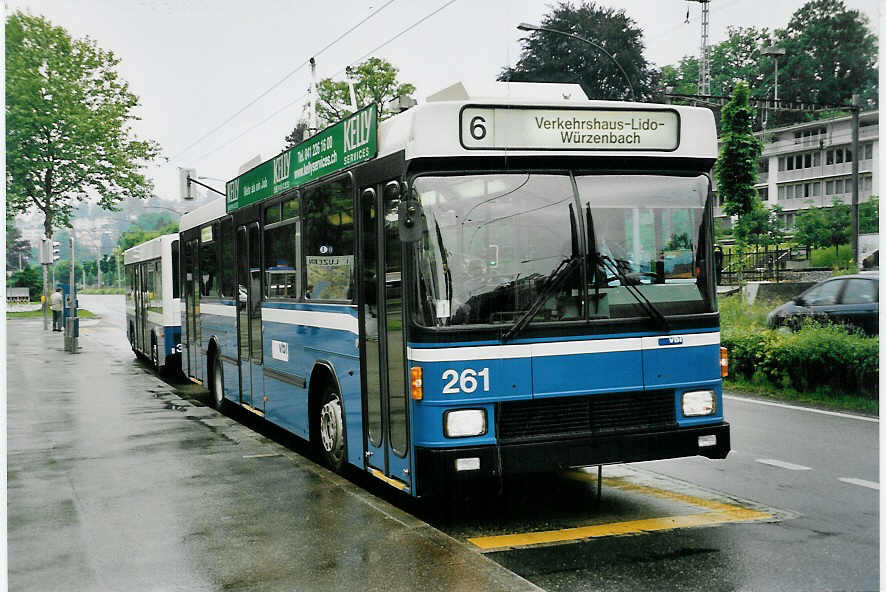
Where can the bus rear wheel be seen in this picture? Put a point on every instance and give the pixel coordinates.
(331, 430)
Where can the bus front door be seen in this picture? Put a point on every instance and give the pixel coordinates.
(384, 367)
(249, 331)
(192, 307)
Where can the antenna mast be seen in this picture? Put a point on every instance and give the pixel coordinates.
(704, 63)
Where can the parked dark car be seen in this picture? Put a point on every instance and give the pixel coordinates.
(848, 299)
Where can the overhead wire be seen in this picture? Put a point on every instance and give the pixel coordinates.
(279, 82)
(302, 97)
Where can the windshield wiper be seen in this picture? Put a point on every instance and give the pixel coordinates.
(644, 302)
(554, 281)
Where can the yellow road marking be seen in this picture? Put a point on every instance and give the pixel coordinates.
(389, 480)
(720, 513)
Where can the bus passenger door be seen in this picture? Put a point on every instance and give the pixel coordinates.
(192, 307)
(387, 421)
(249, 331)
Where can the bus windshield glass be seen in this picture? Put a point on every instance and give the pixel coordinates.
(525, 247)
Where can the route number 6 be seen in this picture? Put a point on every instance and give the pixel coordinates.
(466, 382)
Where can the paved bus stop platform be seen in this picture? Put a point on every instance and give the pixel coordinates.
(117, 482)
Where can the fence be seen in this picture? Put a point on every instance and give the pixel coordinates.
(765, 265)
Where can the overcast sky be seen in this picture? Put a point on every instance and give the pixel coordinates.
(195, 63)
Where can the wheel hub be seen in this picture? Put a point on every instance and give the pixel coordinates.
(330, 426)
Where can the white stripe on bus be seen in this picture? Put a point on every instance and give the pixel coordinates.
(555, 348)
(311, 318)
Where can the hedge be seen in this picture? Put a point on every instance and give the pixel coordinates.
(816, 356)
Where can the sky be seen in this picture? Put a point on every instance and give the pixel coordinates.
(222, 81)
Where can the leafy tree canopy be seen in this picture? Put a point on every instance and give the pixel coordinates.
(375, 81)
(550, 57)
(736, 168)
(68, 124)
(831, 54)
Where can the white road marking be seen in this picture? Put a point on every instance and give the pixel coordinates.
(809, 409)
(861, 482)
(783, 465)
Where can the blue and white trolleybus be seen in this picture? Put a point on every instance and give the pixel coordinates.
(481, 285)
(153, 318)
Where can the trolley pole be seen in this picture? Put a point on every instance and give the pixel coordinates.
(855, 156)
(72, 328)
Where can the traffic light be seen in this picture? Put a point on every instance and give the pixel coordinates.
(49, 251)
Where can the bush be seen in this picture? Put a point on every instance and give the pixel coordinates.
(816, 356)
(831, 257)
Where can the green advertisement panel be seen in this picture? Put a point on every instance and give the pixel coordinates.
(339, 146)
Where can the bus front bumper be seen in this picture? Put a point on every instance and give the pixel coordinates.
(437, 468)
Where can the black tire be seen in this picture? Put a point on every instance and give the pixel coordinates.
(217, 384)
(331, 430)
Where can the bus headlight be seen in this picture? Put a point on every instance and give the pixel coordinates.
(697, 403)
(463, 423)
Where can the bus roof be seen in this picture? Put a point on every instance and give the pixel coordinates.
(210, 211)
(148, 250)
(519, 119)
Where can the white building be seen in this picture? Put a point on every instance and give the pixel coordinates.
(812, 162)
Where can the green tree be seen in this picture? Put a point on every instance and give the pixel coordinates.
(810, 227)
(736, 168)
(375, 81)
(30, 278)
(68, 124)
(869, 216)
(549, 57)
(837, 224)
(831, 54)
(682, 78)
(738, 58)
(18, 250)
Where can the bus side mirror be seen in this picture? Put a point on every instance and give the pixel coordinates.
(410, 221)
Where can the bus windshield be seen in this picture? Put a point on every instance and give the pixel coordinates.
(505, 248)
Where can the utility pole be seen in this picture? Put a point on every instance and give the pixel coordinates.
(704, 64)
(855, 109)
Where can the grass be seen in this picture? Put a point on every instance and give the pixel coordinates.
(82, 313)
(105, 290)
(734, 314)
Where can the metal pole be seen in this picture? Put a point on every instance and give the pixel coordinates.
(855, 109)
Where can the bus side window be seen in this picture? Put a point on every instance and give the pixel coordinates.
(328, 226)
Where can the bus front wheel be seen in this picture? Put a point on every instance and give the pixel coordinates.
(331, 429)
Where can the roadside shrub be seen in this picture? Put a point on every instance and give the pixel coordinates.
(816, 356)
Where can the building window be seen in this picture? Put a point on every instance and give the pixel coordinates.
(838, 155)
(838, 186)
(763, 192)
(829, 157)
(866, 184)
(807, 160)
(781, 163)
(848, 155)
(781, 192)
(815, 189)
(816, 159)
(790, 163)
(868, 151)
(764, 165)
(829, 188)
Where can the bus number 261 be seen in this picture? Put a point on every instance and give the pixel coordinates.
(466, 382)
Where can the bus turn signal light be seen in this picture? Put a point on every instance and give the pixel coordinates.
(415, 383)
(724, 362)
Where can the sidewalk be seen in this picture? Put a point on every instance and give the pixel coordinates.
(117, 483)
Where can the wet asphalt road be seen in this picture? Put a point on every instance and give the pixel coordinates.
(116, 481)
(190, 515)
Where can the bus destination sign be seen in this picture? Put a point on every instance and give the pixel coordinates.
(339, 146)
(499, 128)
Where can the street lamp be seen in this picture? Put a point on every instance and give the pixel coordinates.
(774, 53)
(528, 27)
